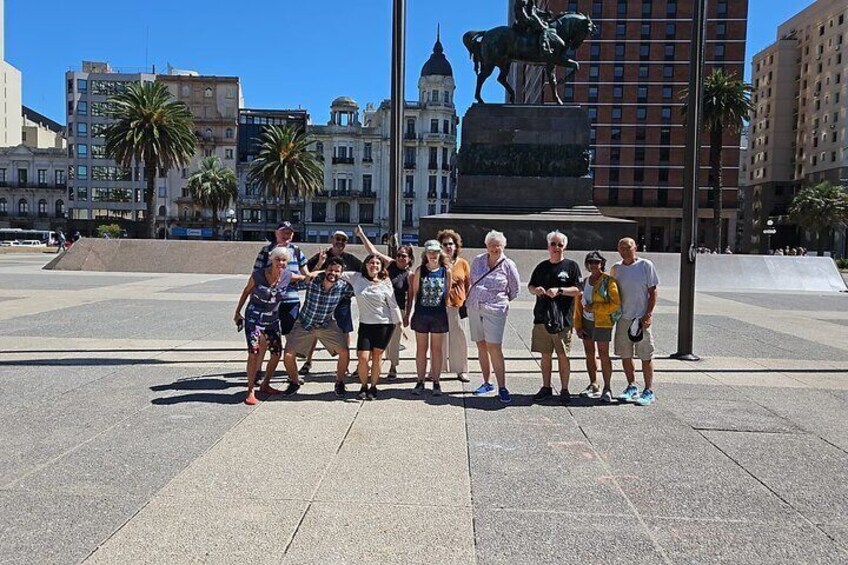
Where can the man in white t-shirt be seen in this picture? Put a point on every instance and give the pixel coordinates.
(637, 283)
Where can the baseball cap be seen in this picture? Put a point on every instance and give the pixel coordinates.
(340, 233)
(634, 332)
(432, 245)
(285, 226)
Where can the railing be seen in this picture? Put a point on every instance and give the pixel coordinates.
(367, 160)
(343, 160)
(433, 165)
(409, 165)
(446, 167)
(409, 194)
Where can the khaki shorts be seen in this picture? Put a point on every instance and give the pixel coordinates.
(544, 342)
(331, 337)
(627, 349)
(487, 326)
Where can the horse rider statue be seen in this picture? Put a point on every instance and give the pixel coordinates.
(531, 19)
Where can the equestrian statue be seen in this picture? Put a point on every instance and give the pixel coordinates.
(537, 37)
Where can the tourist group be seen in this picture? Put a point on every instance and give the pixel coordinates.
(434, 298)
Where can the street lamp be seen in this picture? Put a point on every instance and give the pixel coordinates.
(231, 222)
(396, 126)
(769, 231)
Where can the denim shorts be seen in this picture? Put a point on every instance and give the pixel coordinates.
(430, 322)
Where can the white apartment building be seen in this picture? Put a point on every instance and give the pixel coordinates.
(798, 128)
(355, 152)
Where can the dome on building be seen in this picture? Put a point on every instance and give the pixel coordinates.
(437, 64)
(344, 102)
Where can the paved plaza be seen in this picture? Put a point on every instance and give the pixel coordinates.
(124, 439)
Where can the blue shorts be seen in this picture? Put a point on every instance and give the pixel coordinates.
(344, 316)
(430, 322)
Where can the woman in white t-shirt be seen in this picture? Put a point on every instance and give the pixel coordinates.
(378, 314)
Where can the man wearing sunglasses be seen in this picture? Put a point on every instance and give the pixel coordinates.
(343, 314)
(555, 282)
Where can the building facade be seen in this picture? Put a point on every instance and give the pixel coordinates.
(32, 187)
(355, 151)
(10, 93)
(99, 191)
(256, 215)
(214, 102)
(630, 82)
(798, 128)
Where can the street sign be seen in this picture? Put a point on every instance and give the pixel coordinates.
(770, 231)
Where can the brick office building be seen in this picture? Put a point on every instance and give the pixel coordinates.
(631, 77)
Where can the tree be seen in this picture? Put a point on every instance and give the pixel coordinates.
(820, 209)
(153, 131)
(213, 186)
(727, 104)
(284, 165)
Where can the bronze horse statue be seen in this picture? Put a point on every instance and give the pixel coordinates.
(500, 46)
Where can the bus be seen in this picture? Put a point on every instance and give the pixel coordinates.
(47, 237)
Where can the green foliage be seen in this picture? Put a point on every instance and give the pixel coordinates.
(820, 208)
(842, 264)
(213, 186)
(112, 230)
(285, 166)
(152, 130)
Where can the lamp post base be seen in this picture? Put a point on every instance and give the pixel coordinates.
(685, 357)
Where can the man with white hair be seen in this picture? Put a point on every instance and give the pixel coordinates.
(555, 282)
(637, 282)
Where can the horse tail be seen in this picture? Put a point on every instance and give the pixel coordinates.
(471, 39)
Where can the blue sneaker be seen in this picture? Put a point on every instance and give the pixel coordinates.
(503, 393)
(629, 394)
(646, 398)
(484, 388)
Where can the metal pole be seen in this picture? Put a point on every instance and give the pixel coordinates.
(691, 185)
(396, 132)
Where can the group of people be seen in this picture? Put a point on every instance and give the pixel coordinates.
(434, 299)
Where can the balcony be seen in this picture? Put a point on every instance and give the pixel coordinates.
(410, 135)
(409, 194)
(343, 160)
(431, 195)
(446, 167)
(60, 184)
(322, 194)
(340, 193)
(433, 165)
(367, 160)
(409, 165)
(445, 195)
(43, 185)
(437, 136)
(368, 194)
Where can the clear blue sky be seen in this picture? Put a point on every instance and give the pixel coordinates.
(268, 45)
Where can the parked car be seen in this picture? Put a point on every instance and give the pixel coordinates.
(32, 243)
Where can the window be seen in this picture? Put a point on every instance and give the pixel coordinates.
(644, 51)
(42, 208)
(594, 71)
(410, 127)
(59, 178)
(666, 92)
(409, 185)
(719, 52)
(82, 108)
(435, 96)
(434, 126)
(4, 207)
(595, 51)
(643, 72)
(445, 126)
(641, 113)
(666, 113)
(645, 31)
(620, 31)
(665, 136)
(668, 71)
(343, 212)
(82, 129)
(646, 8)
(671, 9)
(82, 150)
(319, 212)
(639, 175)
(668, 51)
(641, 134)
(721, 30)
(447, 97)
(366, 152)
(407, 214)
(670, 31)
(593, 94)
(597, 9)
(228, 133)
(618, 72)
(592, 113)
(721, 9)
(621, 8)
(82, 172)
(642, 94)
(568, 93)
(617, 92)
(434, 158)
(42, 177)
(82, 193)
(60, 208)
(432, 186)
(662, 175)
(207, 93)
(366, 213)
(228, 153)
(82, 85)
(23, 207)
(366, 184)
(615, 134)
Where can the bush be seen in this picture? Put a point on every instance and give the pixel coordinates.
(842, 264)
(112, 230)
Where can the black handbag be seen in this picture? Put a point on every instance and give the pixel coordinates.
(463, 310)
(554, 320)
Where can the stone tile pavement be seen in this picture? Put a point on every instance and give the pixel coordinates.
(123, 439)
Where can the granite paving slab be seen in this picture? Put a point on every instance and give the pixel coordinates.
(788, 465)
(61, 282)
(797, 302)
(230, 286)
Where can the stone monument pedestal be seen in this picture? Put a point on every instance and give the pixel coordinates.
(523, 170)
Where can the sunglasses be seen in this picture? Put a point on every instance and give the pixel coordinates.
(593, 262)
(448, 244)
(340, 239)
(560, 245)
(402, 256)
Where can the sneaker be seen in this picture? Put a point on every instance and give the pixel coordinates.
(363, 393)
(503, 393)
(463, 377)
(484, 388)
(564, 396)
(437, 389)
(340, 389)
(606, 396)
(291, 389)
(392, 373)
(419, 388)
(591, 391)
(629, 393)
(372, 393)
(544, 393)
(646, 398)
(304, 370)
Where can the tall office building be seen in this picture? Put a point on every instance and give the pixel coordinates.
(798, 128)
(11, 120)
(631, 77)
(99, 191)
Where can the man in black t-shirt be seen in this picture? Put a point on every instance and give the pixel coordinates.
(555, 283)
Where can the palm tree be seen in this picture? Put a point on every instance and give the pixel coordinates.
(820, 209)
(727, 104)
(213, 186)
(150, 130)
(284, 165)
